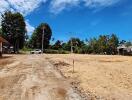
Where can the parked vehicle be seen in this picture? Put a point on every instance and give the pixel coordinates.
(36, 51)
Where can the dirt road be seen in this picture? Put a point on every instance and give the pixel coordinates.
(32, 77)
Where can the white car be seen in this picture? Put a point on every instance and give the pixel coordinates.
(36, 51)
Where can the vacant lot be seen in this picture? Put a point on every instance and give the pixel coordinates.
(103, 77)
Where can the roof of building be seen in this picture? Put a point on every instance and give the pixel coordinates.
(122, 47)
(3, 40)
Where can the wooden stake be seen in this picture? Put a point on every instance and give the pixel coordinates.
(73, 66)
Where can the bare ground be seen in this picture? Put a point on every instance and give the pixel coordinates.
(102, 77)
(33, 77)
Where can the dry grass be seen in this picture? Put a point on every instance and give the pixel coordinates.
(105, 77)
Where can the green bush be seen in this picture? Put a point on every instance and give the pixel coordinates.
(50, 51)
(26, 49)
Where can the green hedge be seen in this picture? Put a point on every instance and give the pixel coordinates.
(50, 51)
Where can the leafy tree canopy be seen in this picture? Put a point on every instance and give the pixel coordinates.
(14, 29)
(57, 45)
(36, 39)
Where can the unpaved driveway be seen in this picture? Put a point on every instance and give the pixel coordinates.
(32, 77)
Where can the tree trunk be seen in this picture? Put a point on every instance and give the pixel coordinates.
(0, 49)
(0, 54)
(16, 47)
(17, 51)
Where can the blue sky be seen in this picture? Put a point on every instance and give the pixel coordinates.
(76, 18)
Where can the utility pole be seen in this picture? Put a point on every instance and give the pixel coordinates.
(73, 61)
(71, 46)
(43, 39)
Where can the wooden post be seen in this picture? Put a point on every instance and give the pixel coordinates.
(0, 49)
(73, 66)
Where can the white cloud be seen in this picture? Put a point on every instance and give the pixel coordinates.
(99, 3)
(56, 6)
(3, 5)
(59, 5)
(27, 6)
(23, 6)
(29, 27)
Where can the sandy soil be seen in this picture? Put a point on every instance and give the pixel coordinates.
(32, 77)
(102, 77)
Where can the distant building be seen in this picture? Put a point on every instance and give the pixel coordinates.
(2, 40)
(124, 50)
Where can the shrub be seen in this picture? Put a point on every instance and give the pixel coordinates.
(60, 51)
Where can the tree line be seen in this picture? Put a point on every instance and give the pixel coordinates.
(13, 29)
(104, 44)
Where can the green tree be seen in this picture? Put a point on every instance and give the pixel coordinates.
(66, 46)
(122, 42)
(103, 43)
(93, 46)
(76, 44)
(57, 45)
(113, 44)
(86, 49)
(14, 29)
(36, 38)
(128, 44)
